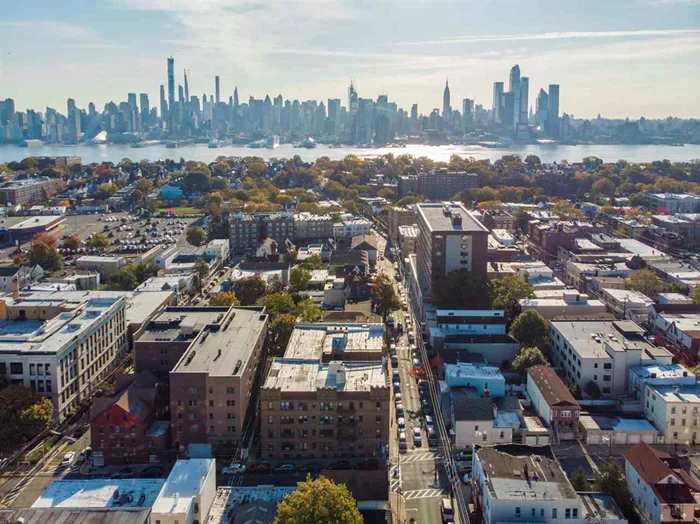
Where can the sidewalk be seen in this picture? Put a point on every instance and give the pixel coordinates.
(397, 503)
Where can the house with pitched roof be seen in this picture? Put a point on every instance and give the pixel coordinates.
(661, 489)
(552, 400)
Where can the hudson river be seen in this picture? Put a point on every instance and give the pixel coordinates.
(200, 152)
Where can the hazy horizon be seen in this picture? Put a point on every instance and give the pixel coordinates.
(630, 59)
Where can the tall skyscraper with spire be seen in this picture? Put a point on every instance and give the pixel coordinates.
(514, 89)
(446, 107)
(353, 101)
(236, 103)
(187, 89)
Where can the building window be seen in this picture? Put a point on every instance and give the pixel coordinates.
(567, 513)
(574, 513)
(554, 513)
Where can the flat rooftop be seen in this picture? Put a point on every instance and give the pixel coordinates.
(99, 493)
(77, 515)
(177, 324)
(678, 394)
(670, 371)
(469, 370)
(616, 424)
(506, 475)
(290, 374)
(228, 500)
(599, 507)
(617, 335)
(225, 351)
(309, 341)
(437, 220)
(182, 485)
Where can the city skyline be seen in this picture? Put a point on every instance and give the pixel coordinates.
(594, 52)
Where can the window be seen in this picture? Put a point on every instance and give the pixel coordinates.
(574, 513)
(16, 368)
(673, 421)
(567, 513)
(517, 511)
(607, 365)
(673, 410)
(32, 371)
(542, 512)
(607, 378)
(196, 507)
(533, 512)
(554, 513)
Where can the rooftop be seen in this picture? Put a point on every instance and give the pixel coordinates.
(411, 231)
(77, 516)
(599, 507)
(228, 501)
(470, 370)
(176, 324)
(527, 475)
(677, 394)
(182, 485)
(669, 371)
(309, 341)
(440, 218)
(468, 405)
(615, 424)
(224, 349)
(551, 387)
(99, 493)
(290, 374)
(36, 221)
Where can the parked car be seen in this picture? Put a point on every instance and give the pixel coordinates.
(68, 458)
(234, 469)
(285, 468)
(417, 437)
(368, 464)
(399, 409)
(310, 467)
(340, 464)
(401, 423)
(261, 467)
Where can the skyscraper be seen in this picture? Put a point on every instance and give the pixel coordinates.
(414, 112)
(171, 83)
(163, 103)
(352, 98)
(73, 121)
(236, 103)
(524, 103)
(91, 110)
(467, 113)
(553, 111)
(446, 108)
(217, 89)
(497, 110)
(187, 88)
(514, 88)
(131, 99)
(145, 108)
(542, 110)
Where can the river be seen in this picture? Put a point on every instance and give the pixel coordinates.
(200, 152)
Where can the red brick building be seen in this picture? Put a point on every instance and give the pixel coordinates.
(552, 400)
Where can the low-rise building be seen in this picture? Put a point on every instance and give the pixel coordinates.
(661, 489)
(658, 375)
(673, 202)
(105, 265)
(30, 189)
(673, 298)
(677, 327)
(610, 430)
(25, 230)
(331, 341)
(571, 303)
(475, 420)
(310, 226)
(674, 412)
(211, 385)
(397, 217)
(601, 351)
(487, 380)
(188, 493)
(552, 400)
(408, 235)
(310, 409)
(628, 304)
(219, 249)
(366, 243)
(352, 227)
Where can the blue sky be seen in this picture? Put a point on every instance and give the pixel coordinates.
(614, 57)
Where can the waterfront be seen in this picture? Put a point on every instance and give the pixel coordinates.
(201, 152)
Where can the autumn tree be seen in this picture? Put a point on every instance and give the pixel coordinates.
(307, 311)
(528, 357)
(277, 304)
(280, 331)
(44, 252)
(384, 296)
(603, 187)
(530, 328)
(299, 278)
(225, 298)
(566, 211)
(250, 289)
(645, 281)
(98, 241)
(508, 291)
(313, 262)
(72, 242)
(319, 500)
(196, 236)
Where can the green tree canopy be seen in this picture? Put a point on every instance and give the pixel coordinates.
(196, 236)
(461, 289)
(506, 293)
(313, 262)
(225, 298)
(528, 357)
(299, 278)
(530, 328)
(317, 501)
(579, 480)
(610, 479)
(307, 311)
(384, 296)
(592, 389)
(99, 241)
(277, 304)
(124, 279)
(250, 289)
(279, 333)
(201, 268)
(645, 281)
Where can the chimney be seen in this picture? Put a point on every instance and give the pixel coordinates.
(15, 288)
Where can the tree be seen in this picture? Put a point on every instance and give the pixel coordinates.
(99, 241)
(44, 252)
(277, 304)
(603, 187)
(528, 357)
(307, 311)
(532, 160)
(319, 500)
(579, 480)
(610, 479)
(592, 389)
(461, 289)
(280, 331)
(313, 262)
(566, 211)
(225, 298)
(274, 285)
(124, 279)
(530, 328)
(201, 268)
(196, 236)
(506, 293)
(72, 242)
(250, 289)
(646, 282)
(384, 296)
(37, 417)
(694, 294)
(104, 191)
(145, 186)
(299, 278)
(45, 238)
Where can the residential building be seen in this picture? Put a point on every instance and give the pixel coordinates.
(612, 430)
(660, 487)
(310, 409)
(482, 332)
(366, 243)
(500, 219)
(347, 229)
(676, 328)
(160, 343)
(333, 341)
(408, 185)
(673, 202)
(601, 351)
(219, 249)
(12, 276)
(628, 304)
(212, 384)
(124, 429)
(552, 400)
(450, 239)
(247, 230)
(397, 217)
(475, 420)
(517, 483)
(674, 411)
(571, 303)
(658, 375)
(488, 381)
(30, 189)
(310, 226)
(59, 348)
(408, 237)
(188, 493)
(443, 184)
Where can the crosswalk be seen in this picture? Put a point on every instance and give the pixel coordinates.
(235, 481)
(424, 494)
(426, 456)
(395, 479)
(10, 497)
(53, 468)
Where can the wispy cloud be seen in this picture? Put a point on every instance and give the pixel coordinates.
(568, 35)
(49, 27)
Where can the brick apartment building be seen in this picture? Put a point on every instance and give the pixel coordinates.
(29, 190)
(212, 385)
(247, 230)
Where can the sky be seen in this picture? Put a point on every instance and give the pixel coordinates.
(619, 58)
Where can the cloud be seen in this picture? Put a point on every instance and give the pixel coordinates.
(568, 35)
(49, 28)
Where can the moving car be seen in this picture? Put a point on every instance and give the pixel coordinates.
(68, 458)
(285, 468)
(417, 437)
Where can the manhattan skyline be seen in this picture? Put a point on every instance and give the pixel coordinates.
(630, 59)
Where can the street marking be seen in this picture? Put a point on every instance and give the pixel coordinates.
(424, 494)
(420, 457)
(395, 478)
(10, 497)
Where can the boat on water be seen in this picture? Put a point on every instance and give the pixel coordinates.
(31, 142)
(258, 144)
(309, 143)
(272, 142)
(213, 144)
